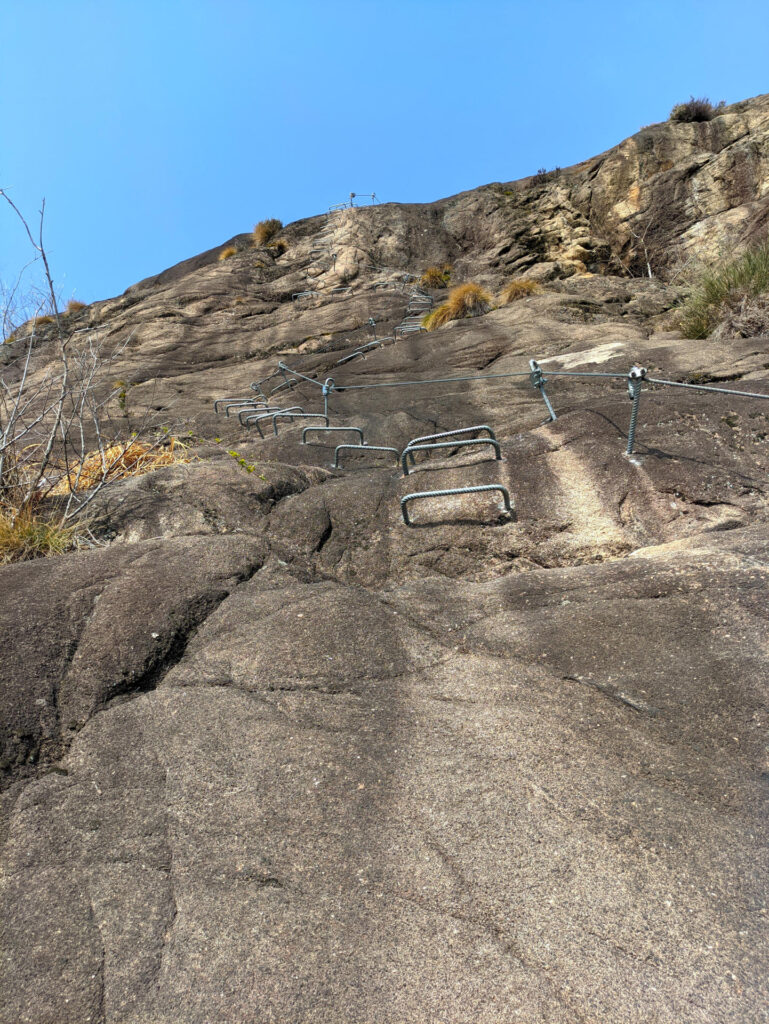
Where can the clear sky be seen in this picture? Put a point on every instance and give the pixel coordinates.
(156, 129)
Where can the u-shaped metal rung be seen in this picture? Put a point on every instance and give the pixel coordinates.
(361, 448)
(447, 444)
(331, 430)
(454, 490)
(251, 414)
(452, 433)
(293, 410)
(230, 403)
(296, 415)
(255, 403)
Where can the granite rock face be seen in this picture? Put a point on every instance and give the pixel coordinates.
(271, 755)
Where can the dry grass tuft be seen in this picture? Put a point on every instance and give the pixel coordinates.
(730, 297)
(117, 462)
(26, 535)
(266, 230)
(73, 306)
(226, 253)
(436, 277)
(467, 300)
(518, 289)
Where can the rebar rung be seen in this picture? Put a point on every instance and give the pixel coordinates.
(454, 490)
(362, 447)
(447, 444)
(332, 430)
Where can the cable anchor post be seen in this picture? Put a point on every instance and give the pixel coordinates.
(635, 378)
(538, 380)
(372, 325)
(328, 387)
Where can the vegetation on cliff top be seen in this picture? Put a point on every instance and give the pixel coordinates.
(700, 109)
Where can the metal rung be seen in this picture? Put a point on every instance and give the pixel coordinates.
(454, 490)
(448, 433)
(452, 433)
(299, 416)
(231, 401)
(361, 447)
(341, 288)
(255, 403)
(447, 444)
(330, 430)
(410, 330)
(302, 295)
(252, 414)
(256, 420)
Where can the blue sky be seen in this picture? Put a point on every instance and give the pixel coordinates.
(156, 130)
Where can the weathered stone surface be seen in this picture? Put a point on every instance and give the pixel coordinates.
(271, 755)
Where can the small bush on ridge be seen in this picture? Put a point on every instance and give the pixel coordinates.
(518, 289)
(266, 230)
(226, 253)
(696, 110)
(73, 306)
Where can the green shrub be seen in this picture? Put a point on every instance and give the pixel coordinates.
(730, 289)
(467, 300)
(266, 230)
(696, 110)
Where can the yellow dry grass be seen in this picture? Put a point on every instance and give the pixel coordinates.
(436, 277)
(118, 461)
(465, 301)
(518, 289)
(226, 253)
(26, 535)
(74, 306)
(266, 230)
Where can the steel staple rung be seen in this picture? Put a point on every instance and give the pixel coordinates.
(361, 448)
(256, 420)
(460, 432)
(298, 415)
(253, 413)
(454, 490)
(231, 402)
(452, 433)
(409, 451)
(332, 430)
(255, 403)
